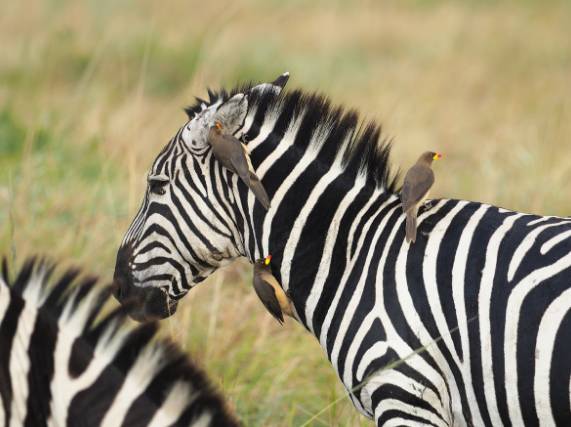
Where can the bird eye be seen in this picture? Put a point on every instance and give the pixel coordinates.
(157, 184)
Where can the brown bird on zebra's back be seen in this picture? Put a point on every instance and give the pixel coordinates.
(417, 183)
(270, 291)
(233, 155)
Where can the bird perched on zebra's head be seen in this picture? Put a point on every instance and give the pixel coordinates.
(234, 156)
(228, 110)
(196, 173)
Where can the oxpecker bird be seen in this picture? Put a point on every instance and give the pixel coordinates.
(417, 183)
(233, 155)
(269, 290)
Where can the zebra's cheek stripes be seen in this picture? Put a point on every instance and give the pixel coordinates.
(183, 234)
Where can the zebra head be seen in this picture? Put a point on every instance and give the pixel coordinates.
(185, 228)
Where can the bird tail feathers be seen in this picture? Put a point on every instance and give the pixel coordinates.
(410, 227)
(259, 191)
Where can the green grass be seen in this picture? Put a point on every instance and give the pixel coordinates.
(90, 91)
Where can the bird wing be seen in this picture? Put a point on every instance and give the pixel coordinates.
(417, 183)
(223, 148)
(239, 157)
(242, 164)
(267, 295)
(259, 191)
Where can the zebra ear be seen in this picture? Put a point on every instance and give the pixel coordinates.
(232, 113)
(277, 85)
(281, 80)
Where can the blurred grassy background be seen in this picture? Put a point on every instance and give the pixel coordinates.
(90, 91)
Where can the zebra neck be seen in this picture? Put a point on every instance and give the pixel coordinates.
(312, 225)
(316, 262)
(316, 189)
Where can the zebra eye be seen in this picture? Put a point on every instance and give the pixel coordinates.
(157, 184)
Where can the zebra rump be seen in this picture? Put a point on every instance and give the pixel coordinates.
(65, 360)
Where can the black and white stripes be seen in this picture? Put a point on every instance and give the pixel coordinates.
(486, 290)
(65, 360)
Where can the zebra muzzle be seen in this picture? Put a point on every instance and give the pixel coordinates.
(141, 303)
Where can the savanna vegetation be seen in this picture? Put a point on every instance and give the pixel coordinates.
(91, 90)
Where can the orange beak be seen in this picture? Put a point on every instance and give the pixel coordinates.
(218, 125)
(267, 260)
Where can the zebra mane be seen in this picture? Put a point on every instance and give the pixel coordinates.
(364, 149)
(213, 97)
(85, 362)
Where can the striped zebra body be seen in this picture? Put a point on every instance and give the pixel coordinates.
(65, 361)
(484, 292)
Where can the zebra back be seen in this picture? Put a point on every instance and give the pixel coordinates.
(65, 360)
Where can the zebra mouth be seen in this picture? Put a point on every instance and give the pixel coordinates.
(142, 303)
(151, 304)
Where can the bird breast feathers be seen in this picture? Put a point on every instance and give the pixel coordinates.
(418, 182)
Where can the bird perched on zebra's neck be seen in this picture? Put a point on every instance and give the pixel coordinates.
(270, 291)
(417, 183)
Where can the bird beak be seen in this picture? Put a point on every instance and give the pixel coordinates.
(267, 260)
(437, 156)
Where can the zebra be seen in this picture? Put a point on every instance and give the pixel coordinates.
(484, 292)
(65, 360)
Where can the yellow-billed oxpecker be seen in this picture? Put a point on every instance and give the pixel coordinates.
(269, 290)
(417, 183)
(234, 156)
